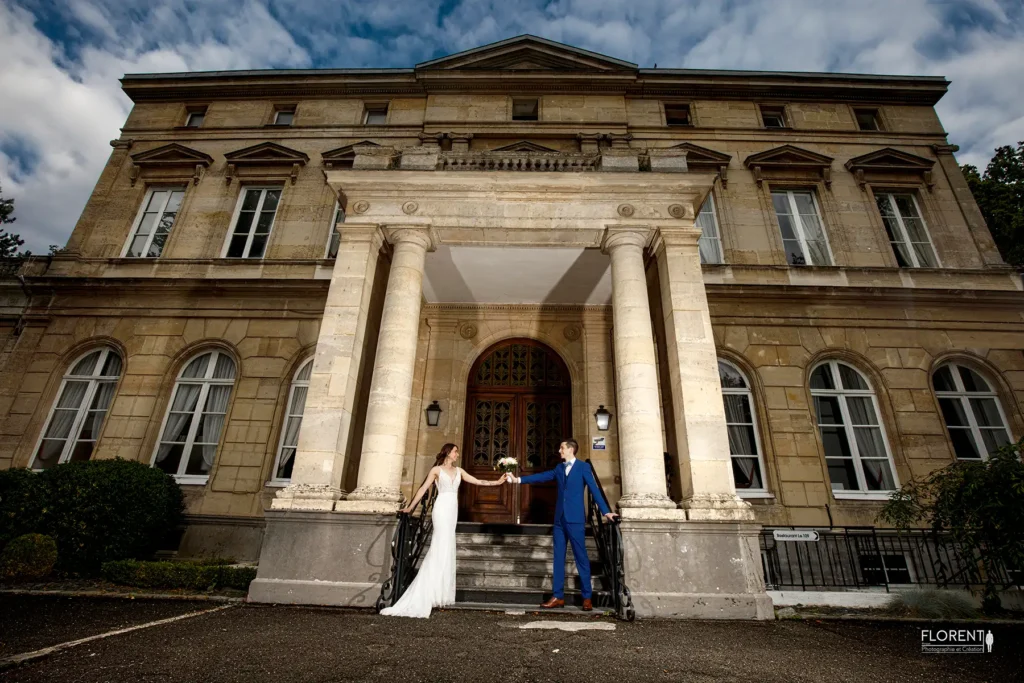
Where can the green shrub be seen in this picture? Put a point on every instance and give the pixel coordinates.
(933, 604)
(105, 510)
(178, 574)
(24, 499)
(28, 557)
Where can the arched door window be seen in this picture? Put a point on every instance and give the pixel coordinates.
(77, 417)
(292, 422)
(974, 416)
(195, 418)
(744, 444)
(856, 450)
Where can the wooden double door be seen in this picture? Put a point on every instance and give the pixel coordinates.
(518, 404)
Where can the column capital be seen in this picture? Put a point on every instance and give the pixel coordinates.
(945, 149)
(420, 235)
(675, 237)
(361, 232)
(616, 236)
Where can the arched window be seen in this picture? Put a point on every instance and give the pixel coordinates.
(76, 418)
(195, 418)
(744, 444)
(292, 422)
(856, 450)
(974, 416)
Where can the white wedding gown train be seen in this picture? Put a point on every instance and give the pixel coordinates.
(434, 585)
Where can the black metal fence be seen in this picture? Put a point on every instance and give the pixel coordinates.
(838, 558)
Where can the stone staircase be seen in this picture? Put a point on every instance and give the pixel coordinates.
(499, 564)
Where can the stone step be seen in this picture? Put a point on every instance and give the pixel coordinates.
(527, 597)
(513, 552)
(515, 541)
(501, 581)
(518, 566)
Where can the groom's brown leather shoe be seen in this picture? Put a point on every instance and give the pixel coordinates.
(587, 605)
(553, 602)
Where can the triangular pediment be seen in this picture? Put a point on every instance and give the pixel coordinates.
(346, 152)
(524, 146)
(266, 153)
(889, 159)
(527, 53)
(702, 156)
(172, 155)
(788, 156)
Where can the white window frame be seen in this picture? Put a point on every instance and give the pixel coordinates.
(196, 112)
(334, 229)
(256, 216)
(207, 381)
(296, 382)
(374, 107)
(961, 394)
(799, 223)
(904, 235)
(710, 201)
(94, 381)
(746, 391)
(848, 426)
(142, 213)
(284, 110)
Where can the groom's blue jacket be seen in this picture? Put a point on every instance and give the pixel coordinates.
(570, 490)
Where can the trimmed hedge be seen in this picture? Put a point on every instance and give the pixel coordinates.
(28, 557)
(24, 501)
(105, 510)
(194, 575)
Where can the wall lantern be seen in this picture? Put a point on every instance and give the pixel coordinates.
(603, 418)
(433, 414)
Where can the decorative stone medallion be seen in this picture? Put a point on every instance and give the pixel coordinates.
(626, 210)
(467, 331)
(410, 207)
(677, 211)
(572, 332)
(361, 206)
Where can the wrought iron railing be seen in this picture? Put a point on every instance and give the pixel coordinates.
(837, 558)
(608, 539)
(412, 535)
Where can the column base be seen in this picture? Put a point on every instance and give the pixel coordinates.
(717, 508)
(695, 570)
(306, 497)
(377, 507)
(323, 558)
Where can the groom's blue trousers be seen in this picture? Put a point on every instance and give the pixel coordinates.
(575, 533)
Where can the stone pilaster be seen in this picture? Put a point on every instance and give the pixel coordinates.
(326, 422)
(639, 413)
(990, 255)
(387, 415)
(701, 434)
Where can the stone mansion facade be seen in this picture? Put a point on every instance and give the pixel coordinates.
(777, 285)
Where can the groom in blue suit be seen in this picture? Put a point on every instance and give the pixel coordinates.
(570, 518)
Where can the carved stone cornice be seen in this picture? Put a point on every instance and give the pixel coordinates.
(887, 162)
(780, 160)
(171, 156)
(268, 155)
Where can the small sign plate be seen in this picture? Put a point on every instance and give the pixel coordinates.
(795, 535)
(598, 444)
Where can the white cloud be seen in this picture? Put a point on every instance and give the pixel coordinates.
(62, 102)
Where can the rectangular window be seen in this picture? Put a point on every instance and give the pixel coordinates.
(526, 110)
(907, 232)
(803, 235)
(284, 117)
(335, 240)
(255, 218)
(678, 115)
(195, 118)
(376, 114)
(773, 117)
(154, 222)
(867, 119)
(710, 244)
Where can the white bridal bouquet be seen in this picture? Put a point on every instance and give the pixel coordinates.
(508, 465)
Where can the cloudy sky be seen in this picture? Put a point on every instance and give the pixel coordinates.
(60, 102)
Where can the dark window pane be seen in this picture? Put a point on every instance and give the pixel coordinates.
(746, 473)
(963, 444)
(828, 410)
(259, 242)
(842, 475)
(942, 380)
(821, 378)
(237, 247)
(972, 380)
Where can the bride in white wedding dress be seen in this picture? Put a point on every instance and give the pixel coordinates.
(434, 585)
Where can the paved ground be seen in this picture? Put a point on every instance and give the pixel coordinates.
(258, 643)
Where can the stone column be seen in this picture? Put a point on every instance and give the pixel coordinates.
(701, 434)
(324, 435)
(379, 488)
(641, 457)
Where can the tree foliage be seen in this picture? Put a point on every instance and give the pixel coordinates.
(977, 505)
(1000, 195)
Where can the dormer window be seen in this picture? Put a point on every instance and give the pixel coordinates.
(376, 114)
(284, 116)
(773, 117)
(195, 118)
(678, 115)
(526, 109)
